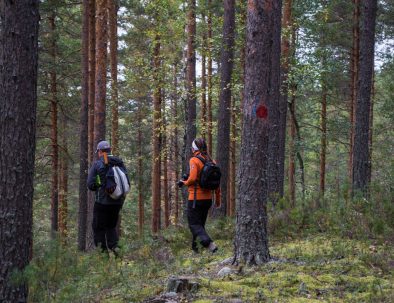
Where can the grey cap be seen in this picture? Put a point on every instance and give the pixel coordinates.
(103, 145)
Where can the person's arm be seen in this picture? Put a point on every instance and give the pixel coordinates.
(92, 185)
(193, 172)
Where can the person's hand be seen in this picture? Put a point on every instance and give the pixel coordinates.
(180, 183)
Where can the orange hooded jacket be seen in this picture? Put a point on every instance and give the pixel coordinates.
(196, 166)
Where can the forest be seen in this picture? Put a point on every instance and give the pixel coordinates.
(292, 100)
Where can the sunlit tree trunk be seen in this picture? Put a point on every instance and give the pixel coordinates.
(165, 149)
(262, 82)
(92, 76)
(363, 105)
(83, 135)
(54, 128)
(18, 90)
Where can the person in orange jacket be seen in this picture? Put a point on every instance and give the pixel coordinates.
(199, 199)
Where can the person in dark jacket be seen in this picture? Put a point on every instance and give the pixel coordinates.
(106, 210)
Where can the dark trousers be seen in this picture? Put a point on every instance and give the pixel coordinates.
(105, 218)
(197, 217)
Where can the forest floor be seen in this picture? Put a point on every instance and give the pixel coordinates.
(306, 267)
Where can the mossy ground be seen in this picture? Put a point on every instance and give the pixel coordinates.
(309, 267)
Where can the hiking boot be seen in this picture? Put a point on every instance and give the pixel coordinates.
(212, 247)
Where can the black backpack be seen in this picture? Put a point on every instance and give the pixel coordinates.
(209, 175)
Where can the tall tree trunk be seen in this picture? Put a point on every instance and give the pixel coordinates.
(165, 149)
(292, 151)
(224, 116)
(141, 211)
(113, 50)
(92, 77)
(99, 132)
(175, 141)
(323, 139)
(91, 108)
(203, 82)
(232, 166)
(262, 83)
(84, 129)
(355, 58)
(54, 129)
(361, 147)
(101, 70)
(63, 182)
(18, 90)
(209, 77)
(156, 137)
(370, 134)
(287, 25)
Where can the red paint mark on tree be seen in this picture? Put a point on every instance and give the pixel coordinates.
(262, 112)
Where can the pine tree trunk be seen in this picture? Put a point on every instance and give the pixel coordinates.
(363, 106)
(262, 83)
(323, 140)
(141, 211)
(233, 152)
(292, 151)
(355, 58)
(156, 138)
(203, 83)
(175, 142)
(224, 115)
(18, 90)
(165, 149)
(63, 182)
(370, 135)
(287, 25)
(92, 77)
(54, 130)
(84, 129)
(209, 77)
(101, 71)
(113, 49)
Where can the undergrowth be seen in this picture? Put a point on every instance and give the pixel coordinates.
(338, 252)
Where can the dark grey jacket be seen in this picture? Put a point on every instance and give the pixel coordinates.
(100, 169)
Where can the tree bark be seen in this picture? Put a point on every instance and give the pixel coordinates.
(323, 136)
(355, 58)
(54, 129)
(370, 134)
(209, 77)
(204, 119)
(141, 211)
(84, 129)
(165, 149)
(232, 166)
(113, 49)
(262, 83)
(92, 77)
(18, 90)
(292, 151)
(224, 115)
(101, 71)
(361, 147)
(156, 190)
(175, 142)
(287, 25)
(63, 182)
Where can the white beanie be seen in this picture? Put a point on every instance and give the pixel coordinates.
(194, 146)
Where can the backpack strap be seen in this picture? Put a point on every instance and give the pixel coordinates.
(195, 183)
